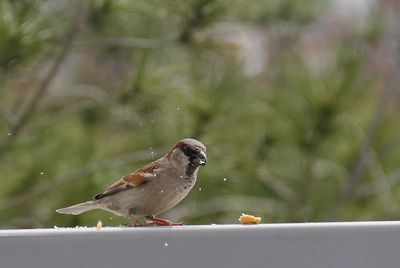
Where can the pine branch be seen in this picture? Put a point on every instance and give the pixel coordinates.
(44, 84)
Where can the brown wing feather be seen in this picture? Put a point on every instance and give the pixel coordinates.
(141, 175)
(134, 179)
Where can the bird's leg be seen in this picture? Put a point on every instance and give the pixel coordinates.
(163, 222)
(135, 223)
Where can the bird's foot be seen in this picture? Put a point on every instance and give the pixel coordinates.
(163, 222)
(136, 223)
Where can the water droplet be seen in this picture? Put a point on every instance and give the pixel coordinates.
(41, 173)
(200, 189)
(166, 244)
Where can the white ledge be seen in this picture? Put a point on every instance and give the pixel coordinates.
(308, 245)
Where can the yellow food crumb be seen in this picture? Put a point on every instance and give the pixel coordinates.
(99, 225)
(246, 219)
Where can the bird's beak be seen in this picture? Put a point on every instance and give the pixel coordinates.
(202, 158)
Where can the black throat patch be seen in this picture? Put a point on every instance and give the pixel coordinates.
(191, 167)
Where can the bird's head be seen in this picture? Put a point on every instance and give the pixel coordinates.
(188, 154)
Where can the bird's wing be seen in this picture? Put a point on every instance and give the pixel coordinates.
(134, 179)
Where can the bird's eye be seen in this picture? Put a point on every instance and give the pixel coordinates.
(189, 151)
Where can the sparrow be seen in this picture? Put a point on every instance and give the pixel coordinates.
(152, 189)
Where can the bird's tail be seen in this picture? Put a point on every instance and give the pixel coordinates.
(79, 208)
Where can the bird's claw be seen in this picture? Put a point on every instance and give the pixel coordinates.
(163, 222)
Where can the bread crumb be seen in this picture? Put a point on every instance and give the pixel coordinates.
(99, 225)
(249, 219)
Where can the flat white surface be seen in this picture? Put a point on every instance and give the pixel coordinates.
(308, 245)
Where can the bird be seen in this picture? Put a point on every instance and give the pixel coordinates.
(151, 189)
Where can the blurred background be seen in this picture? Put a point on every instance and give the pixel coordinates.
(296, 101)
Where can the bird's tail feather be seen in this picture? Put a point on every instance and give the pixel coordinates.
(79, 208)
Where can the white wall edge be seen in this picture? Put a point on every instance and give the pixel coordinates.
(195, 228)
(308, 245)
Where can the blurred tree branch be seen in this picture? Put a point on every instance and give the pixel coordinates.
(383, 184)
(8, 117)
(278, 186)
(379, 185)
(56, 118)
(130, 42)
(392, 87)
(66, 45)
(360, 165)
(88, 170)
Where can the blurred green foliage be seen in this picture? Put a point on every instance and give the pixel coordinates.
(308, 134)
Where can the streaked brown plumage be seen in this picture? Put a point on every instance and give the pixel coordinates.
(152, 189)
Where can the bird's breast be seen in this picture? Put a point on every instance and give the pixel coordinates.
(169, 191)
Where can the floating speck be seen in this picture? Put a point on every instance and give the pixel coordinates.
(200, 189)
(162, 191)
(224, 179)
(166, 244)
(177, 108)
(41, 173)
(9, 133)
